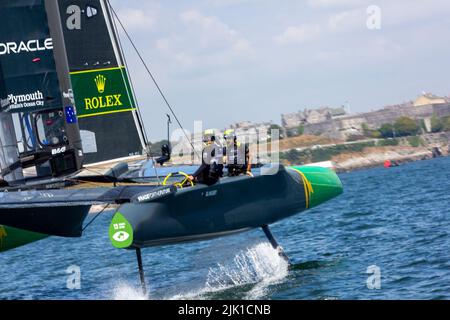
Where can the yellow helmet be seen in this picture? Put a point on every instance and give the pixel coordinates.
(209, 135)
(229, 135)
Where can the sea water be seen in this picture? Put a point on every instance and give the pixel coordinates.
(387, 237)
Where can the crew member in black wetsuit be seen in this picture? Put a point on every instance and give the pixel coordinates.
(3, 183)
(211, 169)
(238, 157)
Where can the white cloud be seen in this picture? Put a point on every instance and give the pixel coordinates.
(228, 3)
(298, 34)
(397, 13)
(203, 40)
(217, 48)
(207, 23)
(242, 46)
(138, 19)
(336, 3)
(348, 20)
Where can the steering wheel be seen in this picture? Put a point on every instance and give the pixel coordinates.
(178, 184)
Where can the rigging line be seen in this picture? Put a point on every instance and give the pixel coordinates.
(96, 216)
(152, 77)
(138, 115)
(148, 148)
(125, 62)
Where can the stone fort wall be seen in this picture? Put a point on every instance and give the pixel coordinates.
(341, 128)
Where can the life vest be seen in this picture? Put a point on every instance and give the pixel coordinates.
(237, 154)
(213, 157)
(213, 154)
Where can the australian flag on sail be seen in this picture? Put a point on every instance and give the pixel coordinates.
(71, 116)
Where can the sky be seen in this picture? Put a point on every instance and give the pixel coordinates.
(226, 61)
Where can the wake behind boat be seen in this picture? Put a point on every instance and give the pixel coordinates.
(172, 215)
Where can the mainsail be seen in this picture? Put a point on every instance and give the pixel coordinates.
(38, 87)
(38, 124)
(8, 141)
(109, 121)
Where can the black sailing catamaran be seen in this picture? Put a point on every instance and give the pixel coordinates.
(63, 87)
(64, 54)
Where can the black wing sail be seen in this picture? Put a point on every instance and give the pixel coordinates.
(38, 124)
(8, 140)
(38, 87)
(109, 122)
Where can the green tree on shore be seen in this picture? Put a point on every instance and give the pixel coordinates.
(405, 126)
(446, 124)
(156, 147)
(275, 127)
(369, 133)
(293, 156)
(437, 125)
(366, 130)
(440, 124)
(387, 130)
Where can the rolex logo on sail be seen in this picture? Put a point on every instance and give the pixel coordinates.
(101, 92)
(100, 82)
(102, 101)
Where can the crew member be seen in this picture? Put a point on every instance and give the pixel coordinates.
(238, 157)
(3, 183)
(211, 169)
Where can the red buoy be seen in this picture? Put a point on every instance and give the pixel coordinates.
(387, 164)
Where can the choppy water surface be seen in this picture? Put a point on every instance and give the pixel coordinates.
(397, 220)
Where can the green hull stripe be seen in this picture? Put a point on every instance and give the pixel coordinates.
(11, 238)
(325, 183)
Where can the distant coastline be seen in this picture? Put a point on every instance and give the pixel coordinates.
(349, 156)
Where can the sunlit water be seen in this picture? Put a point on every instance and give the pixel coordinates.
(396, 219)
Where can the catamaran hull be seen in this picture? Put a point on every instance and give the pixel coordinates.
(32, 215)
(11, 238)
(63, 221)
(233, 205)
